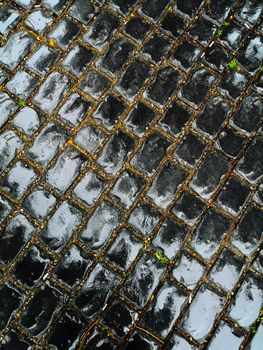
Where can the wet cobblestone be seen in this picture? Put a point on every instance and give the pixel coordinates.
(131, 168)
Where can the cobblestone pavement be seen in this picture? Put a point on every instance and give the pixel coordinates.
(131, 174)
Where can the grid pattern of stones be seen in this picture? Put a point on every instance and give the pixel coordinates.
(178, 193)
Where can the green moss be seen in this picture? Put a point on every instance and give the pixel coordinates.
(219, 32)
(161, 257)
(21, 102)
(233, 64)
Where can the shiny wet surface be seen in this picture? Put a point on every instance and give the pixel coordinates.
(131, 162)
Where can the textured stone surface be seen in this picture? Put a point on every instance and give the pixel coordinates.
(131, 162)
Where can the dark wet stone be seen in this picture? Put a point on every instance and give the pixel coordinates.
(78, 59)
(116, 151)
(213, 116)
(123, 6)
(89, 138)
(89, 188)
(13, 340)
(31, 268)
(56, 6)
(5, 208)
(27, 120)
(178, 343)
(170, 238)
(72, 266)
(259, 84)
(143, 280)
(140, 118)
(61, 226)
(138, 341)
(251, 165)
(9, 16)
(227, 270)
(251, 11)
(83, 10)
(10, 144)
(233, 84)
(188, 208)
(248, 301)
(156, 48)
(7, 107)
(39, 20)
(248, 233)
(148, 158)
(233, 35)
(10, 301)
(16, 48)
(203, 31)
(189, 150)
(251, 55)
(185, 55)
(217, 57)
(64, 32)
(153, 8)
(13, 237)
(258, 196)
(188, 271)
(2, 75)
(195, 91)
(188, 8)
(137, 28)
(19, 179)
(65, 170)
(67, 332)
(47, 143)
(144, 218)
(226, 336)
(96, 290)
(165, 310)
(164, 86)
(209, 175)
(22, 84)
(45, 303)
(218, 11)
(52, 91)
(173, 24)
(127, 188)
(233, 196)
(74, 110)
(118, 53)
(166, 184)
(248, 115)
(133, 79)
(97, 341)
(258, 263)
(41, 60)
(110, 111)
(230, 142)
(119, 318)
(210, 233)
(209, 304)
(94, 84)
(100, 225)
(102, 28)
(124, 249)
